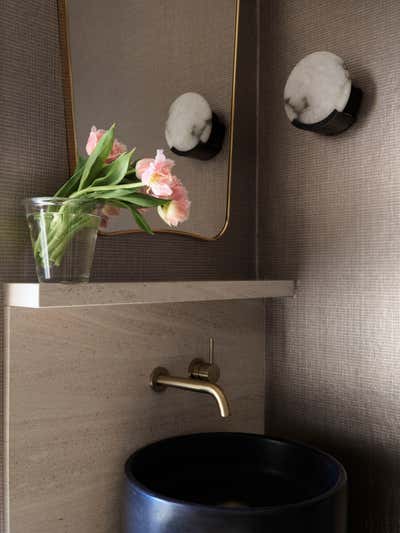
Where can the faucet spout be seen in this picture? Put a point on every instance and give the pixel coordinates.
(161, 379)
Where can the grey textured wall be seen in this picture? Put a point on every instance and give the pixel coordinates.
(173, 257)
(32, 134)
(33, 161)
(330, 217)
(148, 73)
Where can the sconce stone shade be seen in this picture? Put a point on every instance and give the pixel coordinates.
(192, 129)
(319, 95)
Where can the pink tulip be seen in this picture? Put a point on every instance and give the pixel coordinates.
(156, 174)
(178, 209)
(95, 135)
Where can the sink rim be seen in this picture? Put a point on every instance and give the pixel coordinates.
(135, 485)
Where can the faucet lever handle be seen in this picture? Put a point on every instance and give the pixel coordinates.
(211, 350)
(199, 369)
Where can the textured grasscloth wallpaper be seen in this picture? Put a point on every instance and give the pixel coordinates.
(33, 160)
(148, 73)
(32, 135)
(330, 217)
(137, 257)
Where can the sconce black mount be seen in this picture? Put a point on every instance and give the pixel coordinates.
(207, 150)
(337, 121)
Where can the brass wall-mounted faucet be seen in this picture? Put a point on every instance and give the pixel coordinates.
(202, 378)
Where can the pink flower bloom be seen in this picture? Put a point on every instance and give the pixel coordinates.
(95, 135)
(156, 174)
(178, 209)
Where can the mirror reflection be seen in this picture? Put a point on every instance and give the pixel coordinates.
(130, 61)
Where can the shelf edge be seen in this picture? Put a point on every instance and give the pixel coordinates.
(34, 295)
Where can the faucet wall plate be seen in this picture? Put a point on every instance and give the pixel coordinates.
(157, 372)
(199, 369)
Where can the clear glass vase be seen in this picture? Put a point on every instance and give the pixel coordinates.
(63, 234)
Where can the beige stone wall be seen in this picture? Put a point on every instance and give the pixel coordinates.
(79, 402)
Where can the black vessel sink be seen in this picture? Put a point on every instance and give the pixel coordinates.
(233, 483)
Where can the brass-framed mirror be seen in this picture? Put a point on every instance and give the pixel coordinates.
(126, 61)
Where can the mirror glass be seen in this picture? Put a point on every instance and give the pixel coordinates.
(127, 61)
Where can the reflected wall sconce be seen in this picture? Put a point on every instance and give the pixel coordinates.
(193, 129)
(319, 95)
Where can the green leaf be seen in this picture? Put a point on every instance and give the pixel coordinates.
(144, 200)
(95, 161)
(71, 185)
(106, 188)
(139, 218)
(115, 171)
(127, 196)
(118, 194)
(117, 203)
(140, 221)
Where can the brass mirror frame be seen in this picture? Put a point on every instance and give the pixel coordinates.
(62, 8)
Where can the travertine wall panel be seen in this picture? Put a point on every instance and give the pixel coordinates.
(79, 401)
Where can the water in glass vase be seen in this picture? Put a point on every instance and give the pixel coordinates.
(63, 234)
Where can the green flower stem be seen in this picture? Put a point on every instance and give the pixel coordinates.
(55, 236)
(53, 226)
(104, 188)
(58, 249)
(45, 224)
(60, 227)
(60, 240)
